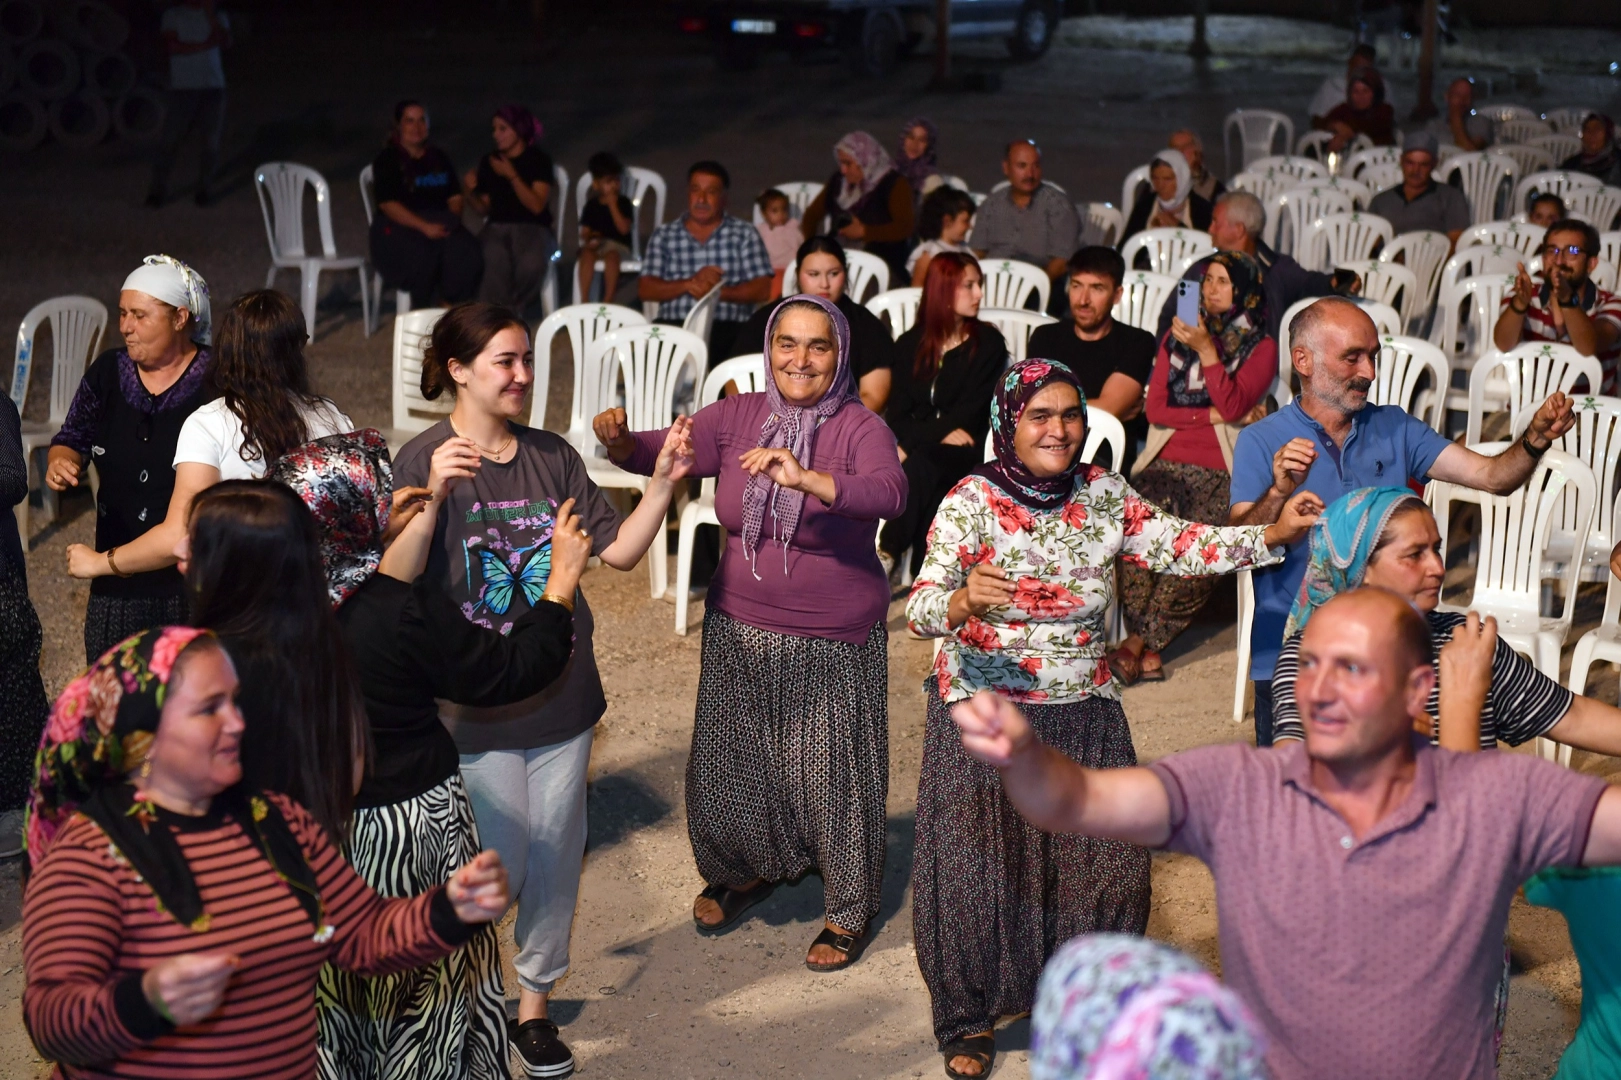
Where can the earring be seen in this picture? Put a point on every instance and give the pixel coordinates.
(146, 768)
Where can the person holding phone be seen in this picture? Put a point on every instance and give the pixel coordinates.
(1211, 374)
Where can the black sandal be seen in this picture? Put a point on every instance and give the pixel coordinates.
(982, 1048)
(733, 903)
(851, 946)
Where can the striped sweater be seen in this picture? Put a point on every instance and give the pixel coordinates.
(91, 928)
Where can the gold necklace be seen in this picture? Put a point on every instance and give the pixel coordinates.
(497, 452)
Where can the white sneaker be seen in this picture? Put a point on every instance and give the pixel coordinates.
(11, 834)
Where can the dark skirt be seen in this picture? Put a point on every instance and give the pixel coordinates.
(994, 897)
(23, 705)
(110, 619)
(790, 762)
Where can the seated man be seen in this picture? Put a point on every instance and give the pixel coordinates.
(1332, 90)
(1206, 184)
(1567, 307)
(703, 248)
(1330, 440)
(1363, 877)
(1028, 220)
(1422, 202)
(1111, 358)
(1460, 125)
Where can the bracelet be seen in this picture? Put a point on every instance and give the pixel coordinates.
(1518, 310)
(1536, 454)
(114, 566)
(560, 600)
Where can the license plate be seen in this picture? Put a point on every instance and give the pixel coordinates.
(754, 26)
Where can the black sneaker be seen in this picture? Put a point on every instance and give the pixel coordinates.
(541, 1051)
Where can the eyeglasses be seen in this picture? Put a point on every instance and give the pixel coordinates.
(1550, 250)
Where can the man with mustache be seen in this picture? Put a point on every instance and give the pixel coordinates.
(1331, 441)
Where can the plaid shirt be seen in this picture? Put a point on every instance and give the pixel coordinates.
(1539, 326)
(673, 255)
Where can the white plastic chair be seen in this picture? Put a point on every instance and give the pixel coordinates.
(1263, 185)
(1595, 439)
(1283, 389)
(1567, 120)
(1386, 319)
(1168, 249)
(1609, 247)
(636, 185)
(1399, 377)
(281, 196)
(954, 181)
(897, 307)
(648, 364)
(1525, 376)
(1559, 145)
(1518, 235)
(1519, 129)
(558, 201)
(1467, 343)
(1257, 131)
(402, 298)
(749, 373)
(865, 272)
(413, 413)
(1361, 160)
(1016, 325)
(1314, 144)
(1009, 283)
(584, 324)
(1392, 284)
(1597, 206)
(1552, 182)
(1446, 152)
(1527, 159)
(1602, 644)
(1101, 223)
(77, 325)
(1381, 176)
(1142, 296)
(1128, 188)
(702, 315)
(1424, 253)
(801, 193)
(1293, 208)
(1303, 169)
(1451, 329)
(1246, 619)
(1351, 238)
(1503, 113)
(1482, 177)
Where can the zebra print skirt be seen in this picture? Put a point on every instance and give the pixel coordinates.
(443, 1021)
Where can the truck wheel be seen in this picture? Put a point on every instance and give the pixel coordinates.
(878, 49)
(1034, 30)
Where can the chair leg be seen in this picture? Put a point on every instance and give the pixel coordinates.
(686, 539)
(368, 314)
(402, 302)
(309, 289)
(270, 277)
(1242, 679)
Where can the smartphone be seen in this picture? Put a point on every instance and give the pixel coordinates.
(1187, 301)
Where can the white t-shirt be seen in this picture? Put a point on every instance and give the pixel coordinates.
(213, 436)
(199, 70)
(931, 248)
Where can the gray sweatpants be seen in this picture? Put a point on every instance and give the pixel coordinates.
(530, 807)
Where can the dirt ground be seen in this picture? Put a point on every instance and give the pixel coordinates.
(648, 996)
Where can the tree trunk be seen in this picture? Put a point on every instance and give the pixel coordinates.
(1200, 49)
(1424, 106)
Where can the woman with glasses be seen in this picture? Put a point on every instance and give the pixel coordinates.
(1567, 306)
(126, 417)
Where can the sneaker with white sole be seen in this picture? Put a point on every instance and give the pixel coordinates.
(543, 1054)
(11, 834)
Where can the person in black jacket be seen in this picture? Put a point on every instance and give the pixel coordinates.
(945, 373)
(23, 716)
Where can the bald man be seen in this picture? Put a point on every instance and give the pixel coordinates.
(1363, 877)
(1029, 219)
(1331, 441)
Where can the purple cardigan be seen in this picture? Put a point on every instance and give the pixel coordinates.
(834, 586)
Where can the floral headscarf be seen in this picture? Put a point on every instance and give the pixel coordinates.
(347, 481)
(1121, 1007)
(918, 169)
(870, 154)
(166, 278)
(1235, 332)
(1019, 384)
(1342, 543)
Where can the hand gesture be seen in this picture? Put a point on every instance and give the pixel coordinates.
(1524, 289)
(571, 551)
(433, 230)
(1291, 464)
(408, 503)
(1466, 660)
(502, 167)
(1557, 416)
(613, 432)
(61, 473)
(676, 458)
(1299, 514)
(988, 587)
(86, 562)
(1196, 338)
(707, 277)
(993, 729)
(957, 437)
(777, 463)
(478, 891)
(454, 459)
(188, 988)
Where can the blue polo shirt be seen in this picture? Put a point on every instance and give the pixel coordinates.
(1386, 447)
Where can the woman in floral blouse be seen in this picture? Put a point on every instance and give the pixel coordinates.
(1018, 580)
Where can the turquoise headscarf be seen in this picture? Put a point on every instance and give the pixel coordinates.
(1342, 542)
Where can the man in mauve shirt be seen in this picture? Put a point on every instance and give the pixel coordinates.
(1363, 877)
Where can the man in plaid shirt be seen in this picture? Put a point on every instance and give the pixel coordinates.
(1568, 307)
(703, 248)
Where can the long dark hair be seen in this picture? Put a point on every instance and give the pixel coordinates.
(460, 335)
(937, 312)
(255, 578)
(822, 245)
(259, 370)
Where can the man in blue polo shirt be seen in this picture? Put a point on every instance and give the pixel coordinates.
(1331, 441)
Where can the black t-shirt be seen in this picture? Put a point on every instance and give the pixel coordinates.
(1124, 348)
(871, 347)
(595, 217)
(532, 165)
(424, 185)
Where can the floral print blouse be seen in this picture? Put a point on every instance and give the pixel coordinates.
(1047, 647)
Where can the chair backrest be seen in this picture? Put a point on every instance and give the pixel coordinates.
(1168, 249)
(1552, 182)
(1142, 295)
(1597, 206)
(897, 307)
(1520, 128)
(1360, 193)
(1514, 531)
(1559, 145)
(1392, 284)
(1303, 169)
(1468, 312)
(1257, 130)
(1469, 262)
(1502, 113)
(1521, 237)
(1567, 120)
(1361, 160)
(702, 314)
(649, 364)
(1286, 367)
(1446, 152)
(77, 326)
(1527, 159)
(801, 193)
(1481, 177)
(1263, 185)
(1016, 325)
(1595, 439)
(412, 411)
(1386, 319)
(1400, 374)
(1314, 144)
(748, 372)
(1009, 283)
(866, 274)
(583, 323)
(368, 193)
(954, 181)
(1381, 176)
(1101, 223)
(1609, 247)
(636, 185)
(1424, 252)
(1530, 371)
(1294, 207)
(1352, 238)
(281, 197)
(1128, 187)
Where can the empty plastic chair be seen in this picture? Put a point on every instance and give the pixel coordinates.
(1257, 131)
(1567, 120)
(1016, 326)
(1352, 238)
(1483, 178)
(1424, 252)
(1303, 169)
(413, 413)
(1361, 160)
(1525, 375)
(1527, 159)
(898, 308)
(1142, 296)
(1102, 223)
(1168, 249)
(1128, 188)
(584, 324)
(77, 324)
(1597, 206)
(1523, 238)
(1392, 284)
(281, 187)
(1009, 283)
(1410, 374)
(1294, 208)
(1558, 145)
(702, 314)
(1519, 129)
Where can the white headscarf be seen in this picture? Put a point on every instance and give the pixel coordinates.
(165, 278)
(1184, 178)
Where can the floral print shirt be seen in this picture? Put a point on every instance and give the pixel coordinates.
(1047, 646)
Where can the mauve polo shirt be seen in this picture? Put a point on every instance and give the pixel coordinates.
(1378, 957)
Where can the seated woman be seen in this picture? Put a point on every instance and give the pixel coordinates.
(1206, 381)
(917, 156)
(1018, 580)
(942, 225)
(141, 954)
(512, 188)
(1485, 691)
(418, 242)
(824, 272)
(867, 204)
(1168, 201)
(945, 373)
(1363, 112)
(1599, 155)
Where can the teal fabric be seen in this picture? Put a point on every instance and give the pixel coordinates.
(1589, 899)
(1342, 542)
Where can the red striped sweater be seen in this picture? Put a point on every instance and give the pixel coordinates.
(90, 929)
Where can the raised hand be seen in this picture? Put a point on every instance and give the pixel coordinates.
(993, 729)
(454, 459)
(613, 432)
(188, 988)
(478, 891)
(1524, 289)
(571, 551)
(1299, 514)
(1557, 416)
(676, 459)
(1291, 464)
(1466, 660)
(777, 463)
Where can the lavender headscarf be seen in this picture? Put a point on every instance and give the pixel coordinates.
(918, 169)
(793, 428)
(875, 164)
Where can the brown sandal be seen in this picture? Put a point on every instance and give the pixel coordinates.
(1152, 674)
(1126, 666)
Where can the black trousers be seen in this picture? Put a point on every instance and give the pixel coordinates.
(931, 471)
(1263, 712)
(188, 109)
(426, 268)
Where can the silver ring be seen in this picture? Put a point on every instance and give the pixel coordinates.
(585, 534)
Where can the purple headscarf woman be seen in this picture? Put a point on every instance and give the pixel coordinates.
(868, 153)
(919, 166)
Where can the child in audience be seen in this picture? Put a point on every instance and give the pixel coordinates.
(605, 226)
(942, 225)
(1546, 209)
(780, 232)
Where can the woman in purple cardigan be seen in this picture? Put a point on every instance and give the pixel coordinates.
(790, 745)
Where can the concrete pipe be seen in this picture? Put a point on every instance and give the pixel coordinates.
(48, 69)
(21, 21)
(8, 68)
(138, 115)
(80, 120)
(23, 124)
(90, 24)
(112, 75)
